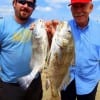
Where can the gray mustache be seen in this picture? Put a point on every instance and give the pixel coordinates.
(79, 14)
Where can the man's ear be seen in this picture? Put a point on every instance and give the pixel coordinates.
(91, 7)
(13, 3)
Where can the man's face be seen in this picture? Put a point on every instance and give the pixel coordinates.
(23, 8)
(81, 11)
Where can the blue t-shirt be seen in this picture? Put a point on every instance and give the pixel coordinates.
(86, 70)
(15, 49)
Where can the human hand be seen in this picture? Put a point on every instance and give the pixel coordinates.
(25, 81)
(32, 26)
(51, 28)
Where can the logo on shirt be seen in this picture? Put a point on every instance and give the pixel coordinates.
(22, 36)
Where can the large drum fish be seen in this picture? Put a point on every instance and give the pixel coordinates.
(40, 48)
(54, 62)
(61, 54)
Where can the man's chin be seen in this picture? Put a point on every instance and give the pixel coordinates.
(24, 15)
(24, 18)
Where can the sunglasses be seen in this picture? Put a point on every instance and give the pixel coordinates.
(30, 4)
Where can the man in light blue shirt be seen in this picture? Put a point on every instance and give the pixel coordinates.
(16, 52)
(85, 73)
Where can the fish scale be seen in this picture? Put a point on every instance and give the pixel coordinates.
(55, 73)
(53, 62)
(40, 47)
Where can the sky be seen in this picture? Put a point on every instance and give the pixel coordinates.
(50, 9)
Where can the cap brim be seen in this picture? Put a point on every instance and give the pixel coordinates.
(76, 2)
(69, 4)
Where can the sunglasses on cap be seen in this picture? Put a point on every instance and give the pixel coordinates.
(30, 4)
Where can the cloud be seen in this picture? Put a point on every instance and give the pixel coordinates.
(52, 5)
(96, 0)
(6, 7)
(63, 1)
(6, 2)
(6, 10)
(56, 1)
(44, 9)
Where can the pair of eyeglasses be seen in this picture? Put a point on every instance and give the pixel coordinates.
(30, 4)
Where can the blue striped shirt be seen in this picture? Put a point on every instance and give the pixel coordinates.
(86, 70)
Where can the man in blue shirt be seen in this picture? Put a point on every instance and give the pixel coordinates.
(85, 73)
(15, 53)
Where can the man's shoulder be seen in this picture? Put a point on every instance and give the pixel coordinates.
(32, 19)
(71, 22)
(2, 21)
(6, 19)
(94, 24)
(95, 21)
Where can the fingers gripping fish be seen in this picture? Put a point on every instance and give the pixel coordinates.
(59, 59)
(40, 47)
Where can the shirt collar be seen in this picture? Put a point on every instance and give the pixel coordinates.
(86, 27)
